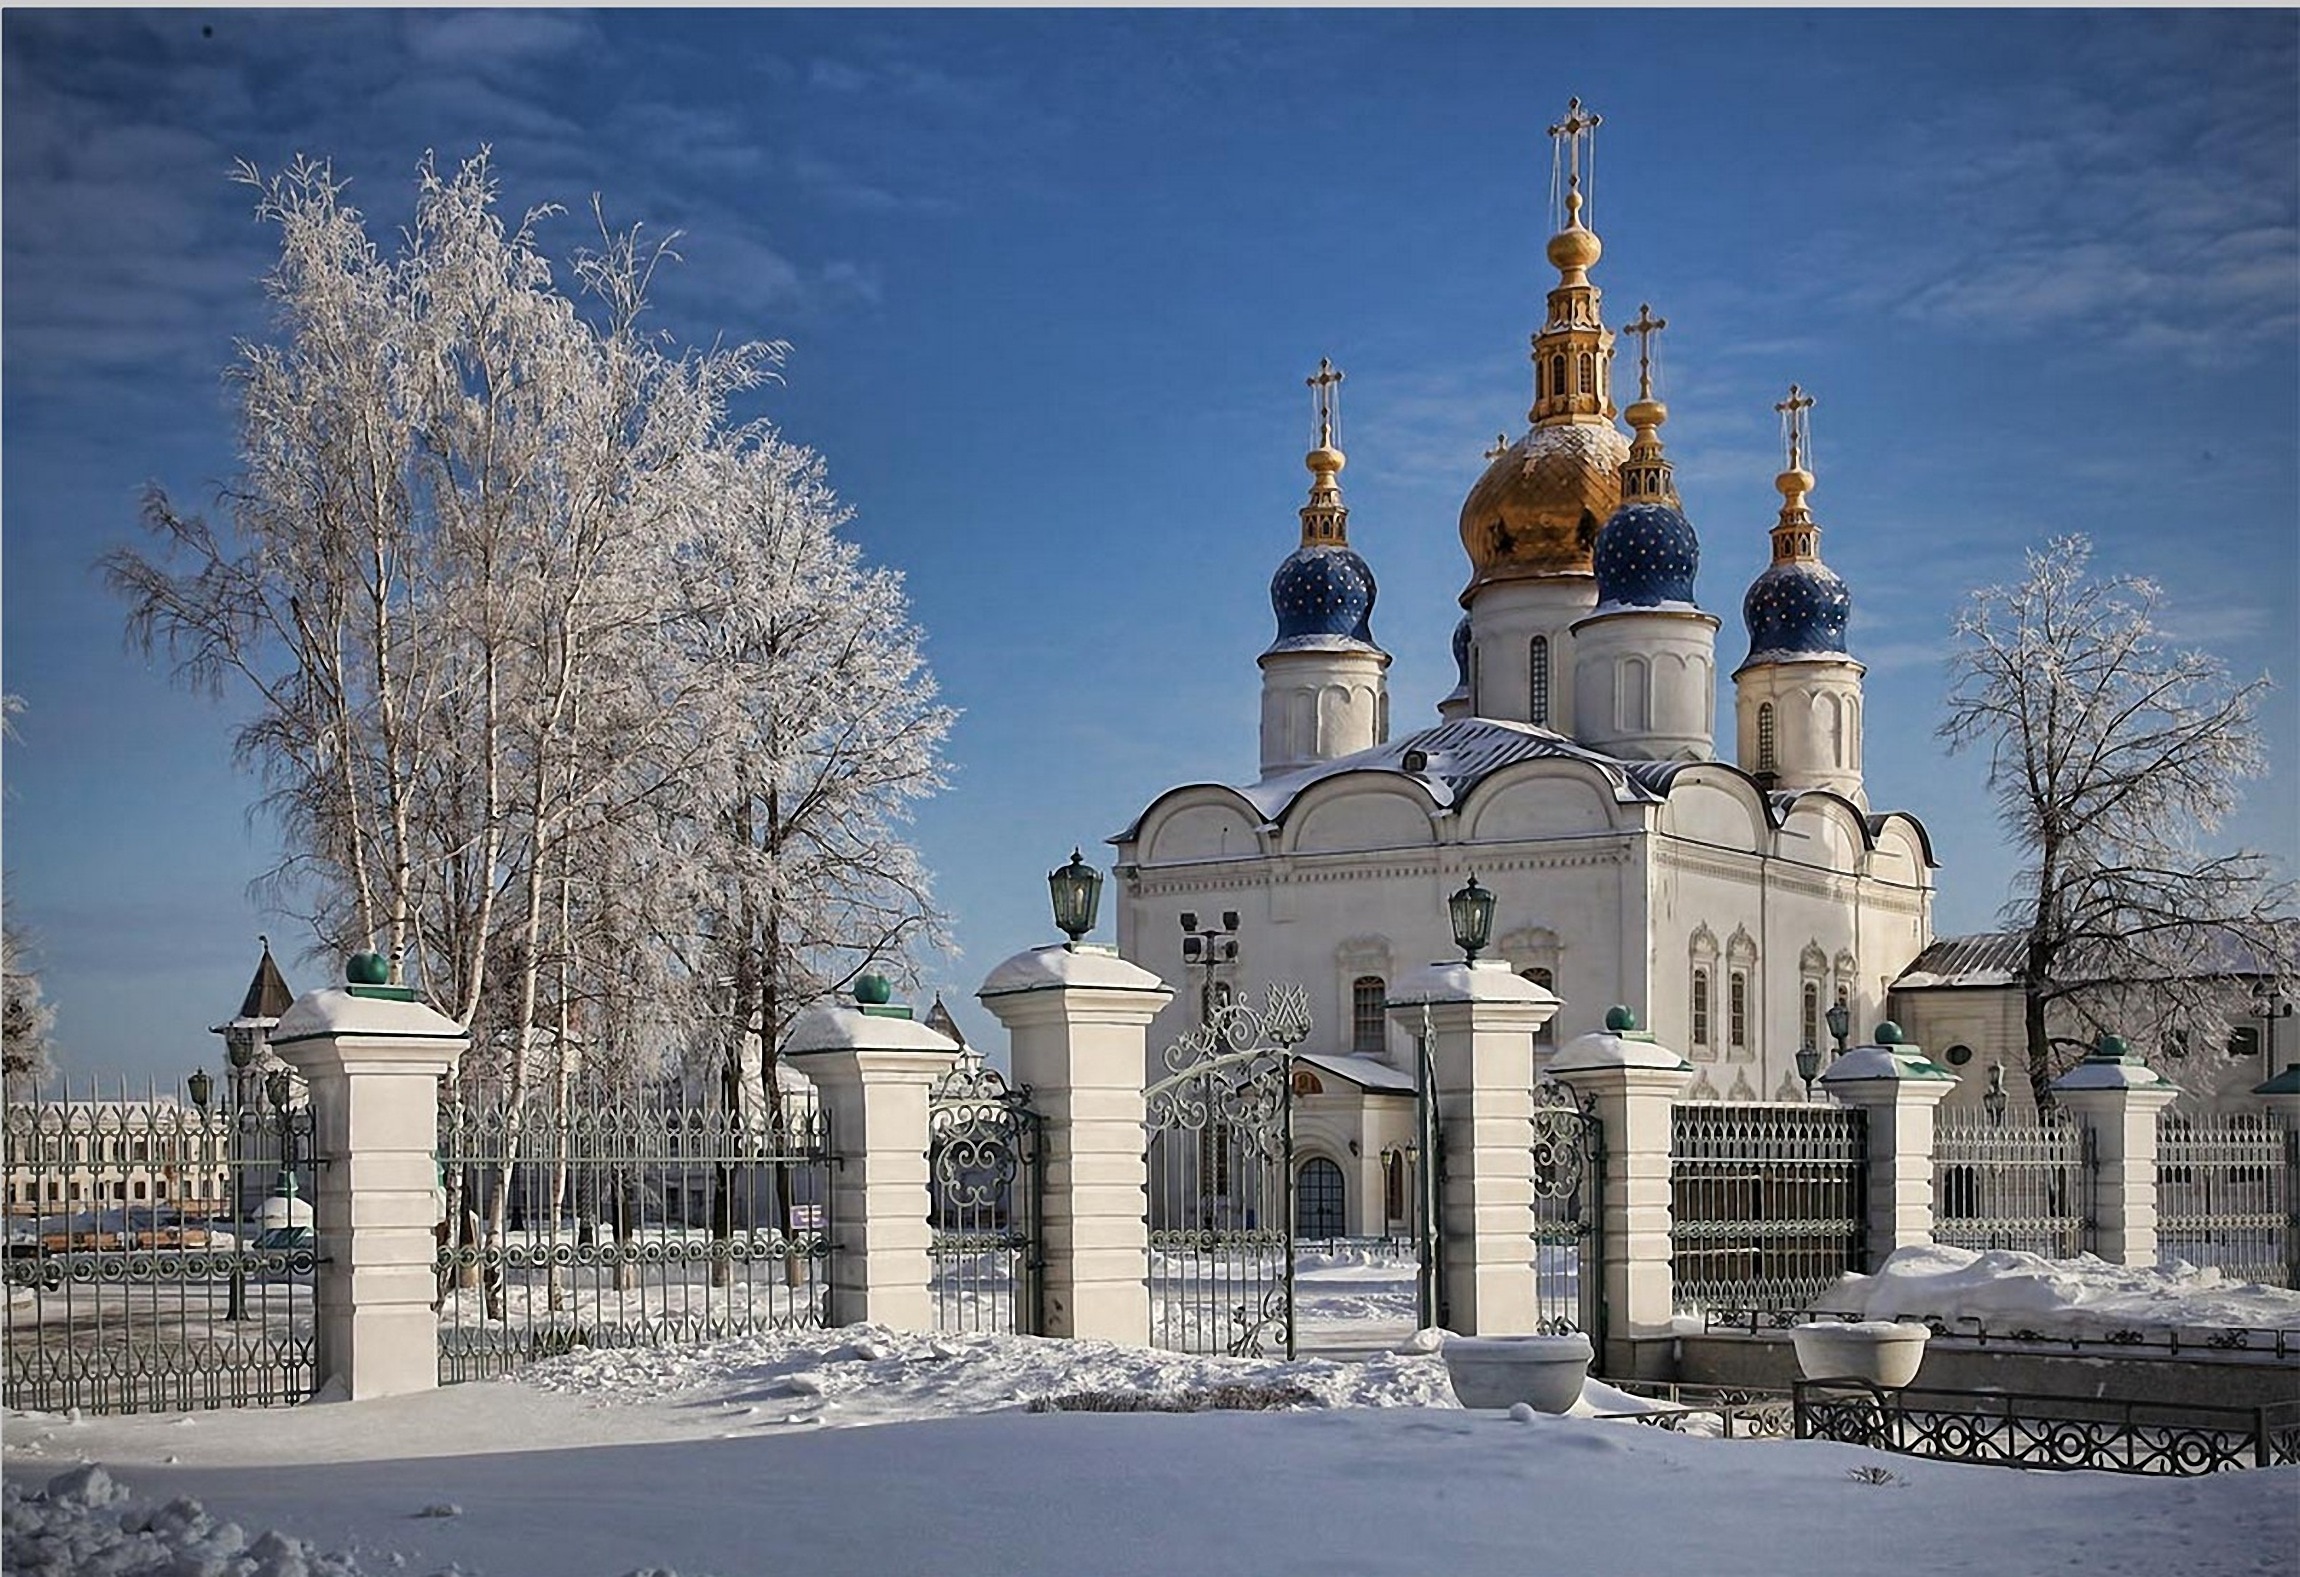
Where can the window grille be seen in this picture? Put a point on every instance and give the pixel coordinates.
(1765, 737)
(1700, 1007)
(1368, 1025)
(1538, 682)
(1737, 1008)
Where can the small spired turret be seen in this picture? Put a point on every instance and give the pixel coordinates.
(1645, 659)
(1798, 693)
(1325, 690)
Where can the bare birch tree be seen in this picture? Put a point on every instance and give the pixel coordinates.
(2113, 756)
(27, 1019)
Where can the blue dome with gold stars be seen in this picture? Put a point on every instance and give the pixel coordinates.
(1647, 555)
(1323, 597)
(1796, 608)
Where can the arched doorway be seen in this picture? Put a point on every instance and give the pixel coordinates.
(1318, 1199)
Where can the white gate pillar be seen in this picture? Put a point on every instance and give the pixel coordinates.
(1482, 1019)
(2119, 1097)
(1633, 1082)
(1078, 1019)
(372, 1057)
(1898, 1086)
(875, 1068)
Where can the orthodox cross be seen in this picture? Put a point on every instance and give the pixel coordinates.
(1324, 399)
(1646, 326)
(1793, 411)
(1500, 446)
(1574, 128)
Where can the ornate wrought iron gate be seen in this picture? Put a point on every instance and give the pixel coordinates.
(982, 1161)
(1568, 1215)
(160, 1256)
(1219, 1148)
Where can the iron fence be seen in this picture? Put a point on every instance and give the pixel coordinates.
(2010, 1429)
(1769, 1202)
(2059, 1332)
(582, 1214)
(2225, 1194)
(2012, 1185)
(1729, 1412)
(160, 1255)
(1568, 1214)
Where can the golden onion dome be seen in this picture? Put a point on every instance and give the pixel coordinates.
(1575, 250)
(1538, 508)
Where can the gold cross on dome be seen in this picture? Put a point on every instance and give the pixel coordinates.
(1646, 326)
(1324, 399)
(1797, 424)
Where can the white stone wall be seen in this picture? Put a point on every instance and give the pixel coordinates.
(1317, 706)
(1817, 717)
(1504, 619)
(1645, 685)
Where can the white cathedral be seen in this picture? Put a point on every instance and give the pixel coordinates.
(1730, 898)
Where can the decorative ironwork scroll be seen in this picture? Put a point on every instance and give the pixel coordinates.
(1219, 1147)
(982, 1162)
(1568, 1176)
(1769, 1202)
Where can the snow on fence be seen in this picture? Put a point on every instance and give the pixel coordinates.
(2225, 1194)
(2023, 1185)
(585, 1215)
(1769, 1202)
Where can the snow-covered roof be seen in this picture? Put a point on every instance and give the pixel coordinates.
(1362, 1071)
(1992, 958)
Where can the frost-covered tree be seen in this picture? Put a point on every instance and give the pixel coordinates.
(500, 579)
(2113, 755)
(26, 1019)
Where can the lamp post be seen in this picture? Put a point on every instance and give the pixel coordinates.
(1471, 911)
(1840, 1020)
(1994, 1098)
(1077, 892)
(1808, 1067)
(1209, 949)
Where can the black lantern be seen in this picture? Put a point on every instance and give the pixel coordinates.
(1472, 912)
(201, 1087)
(1808, 1066)
(1077, 890)
(1840, 1025)
(1994, 1099)
(278, 1087)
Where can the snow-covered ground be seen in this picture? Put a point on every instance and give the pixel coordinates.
(2005, 1289)
(746, 1458)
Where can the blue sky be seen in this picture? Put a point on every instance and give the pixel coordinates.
(1052, 281)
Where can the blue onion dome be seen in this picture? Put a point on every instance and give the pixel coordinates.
(1322, 596)
(1646, 556)
(1461, 653)
(1797, 608)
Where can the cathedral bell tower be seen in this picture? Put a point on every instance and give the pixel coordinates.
(1325, 690)
(1798, 693)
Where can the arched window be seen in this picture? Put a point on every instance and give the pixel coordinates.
(1700, 1005)
(1318, 1199)
(1737, 1009)
(1809, 1015)
(1588, 373)
(1537, 681)
(1368, 1030)
(1765, 737)
(1556, 375)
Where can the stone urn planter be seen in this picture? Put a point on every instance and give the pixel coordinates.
(1885, 1353)
(1544, 1372)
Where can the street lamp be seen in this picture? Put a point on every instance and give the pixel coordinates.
(1210, 948)
(1471, 910)
(1840, 1023)
(201, 1087)
(1077, 891)
(1808, 1066)
(1994, 1098)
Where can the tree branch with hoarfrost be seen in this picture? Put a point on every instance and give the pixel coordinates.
(2112, 757)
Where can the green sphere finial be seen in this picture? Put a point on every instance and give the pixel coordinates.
(873, 991)
(1620, 1018)
(367, 969)
(2111, 1048)
(1889, 1034)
